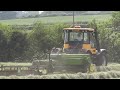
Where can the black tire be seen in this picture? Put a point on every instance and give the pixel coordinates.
(101, 60)
(50, 69)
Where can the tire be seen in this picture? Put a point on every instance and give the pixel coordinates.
(85, 68)
(50, 69)
(101, 60)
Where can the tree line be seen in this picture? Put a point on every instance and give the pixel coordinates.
(24, 45)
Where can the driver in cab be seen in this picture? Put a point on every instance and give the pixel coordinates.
(79, 37)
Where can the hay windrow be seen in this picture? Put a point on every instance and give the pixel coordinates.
(109, 72)
(97, 75)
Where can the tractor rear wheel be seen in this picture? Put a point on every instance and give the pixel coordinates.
(101, 60)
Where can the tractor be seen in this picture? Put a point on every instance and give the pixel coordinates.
(80, 51)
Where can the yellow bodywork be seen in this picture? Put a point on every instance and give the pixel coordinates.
(66, 46)
(85, 46)
(88, 47)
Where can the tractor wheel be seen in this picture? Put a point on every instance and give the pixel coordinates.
(50, 69)
(85, 68)
(101, 60)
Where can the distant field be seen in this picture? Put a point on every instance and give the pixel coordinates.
(29, 21)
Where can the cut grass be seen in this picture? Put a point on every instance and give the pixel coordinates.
(15, 64)
(97, 75)
(60, 19)
(112, 71)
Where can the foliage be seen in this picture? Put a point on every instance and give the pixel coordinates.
(3, 46)
(13, 43)
(69, 13)
(17, 45)
(109, 37)
(44, 38)
(116, 19)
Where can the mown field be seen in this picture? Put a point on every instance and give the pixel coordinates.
(60, 19)
(112, 71)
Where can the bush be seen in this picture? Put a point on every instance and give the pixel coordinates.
(116, 19)
(44, 38)
(17, 45)
(3, 46)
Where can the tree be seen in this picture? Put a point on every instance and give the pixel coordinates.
(45, 37)
(116, 19)
(3, 46)
(17, 45)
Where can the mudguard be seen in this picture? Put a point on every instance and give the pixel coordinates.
(102, 51)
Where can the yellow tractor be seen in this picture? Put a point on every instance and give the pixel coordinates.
(81, 49)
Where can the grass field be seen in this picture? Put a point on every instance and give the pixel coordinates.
(29, 21)
(112, 71)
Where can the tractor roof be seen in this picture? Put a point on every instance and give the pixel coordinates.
(80, 29)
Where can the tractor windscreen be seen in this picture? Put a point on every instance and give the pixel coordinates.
(72, 36)
(76, 36)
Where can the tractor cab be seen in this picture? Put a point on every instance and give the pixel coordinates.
(79, 40)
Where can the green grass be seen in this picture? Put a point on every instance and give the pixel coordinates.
(60, 19)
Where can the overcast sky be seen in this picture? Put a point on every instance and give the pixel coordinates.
(40, 12)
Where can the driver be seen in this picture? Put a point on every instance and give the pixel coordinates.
(79, 37)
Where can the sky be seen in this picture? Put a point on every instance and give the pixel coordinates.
(40, 12)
